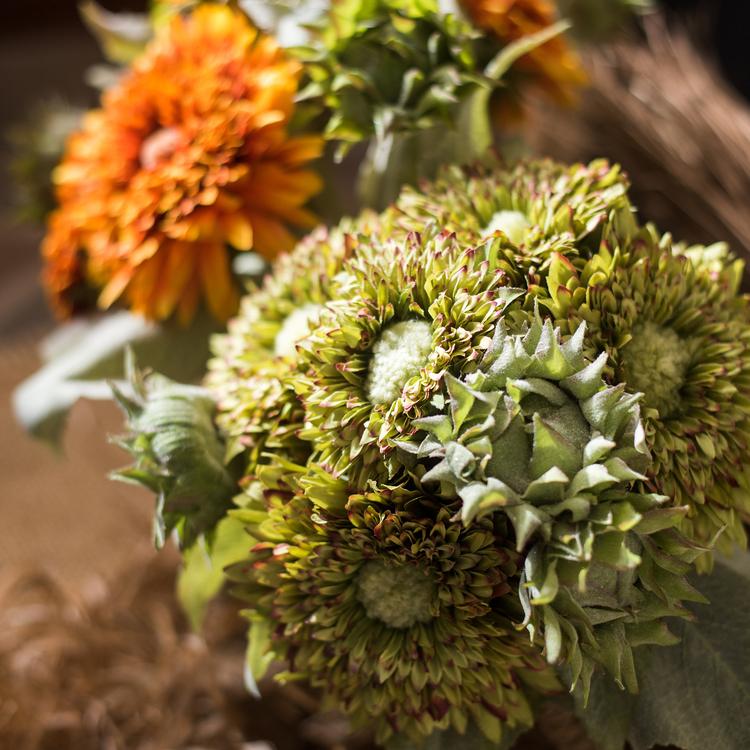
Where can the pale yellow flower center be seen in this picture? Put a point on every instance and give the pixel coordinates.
(399, 595)
(295, 327)
(398, 355)
(513, 224)
(159, 146)
(655, 362)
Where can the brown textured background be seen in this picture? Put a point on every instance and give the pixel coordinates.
(57, 510)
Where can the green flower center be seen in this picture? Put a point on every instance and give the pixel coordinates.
(398, 355)
(513, 224)
(655, 361)
(295, 327)
(398, 595)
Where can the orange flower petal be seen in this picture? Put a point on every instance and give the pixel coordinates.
(116, 286)
(145, 281)
(188, 303)
(271, 236)
(216, 279)
(239, 231)
(178, 269)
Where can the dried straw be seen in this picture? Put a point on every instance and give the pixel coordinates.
(117, 669)
(112, 669)
(659, 106)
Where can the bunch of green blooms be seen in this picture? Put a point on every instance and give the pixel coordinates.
(411, 81)
(380, 66)
(480, 439)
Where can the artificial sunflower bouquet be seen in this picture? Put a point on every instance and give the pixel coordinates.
(465, 455)
(481, 446)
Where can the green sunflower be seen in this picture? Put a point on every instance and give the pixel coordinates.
(401, 614)
(675, 327)
(253, 362)
(179, 456)
(537, 435)
(400, 65)
(414, 309)
(542, 207)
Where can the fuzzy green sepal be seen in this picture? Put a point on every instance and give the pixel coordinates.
(537, 435)
(178, 454)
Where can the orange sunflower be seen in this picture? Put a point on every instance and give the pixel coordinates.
(188, 158)
(554, 66)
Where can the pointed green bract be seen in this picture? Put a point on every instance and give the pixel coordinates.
(674, 326)
(537, 435)
(178, 454)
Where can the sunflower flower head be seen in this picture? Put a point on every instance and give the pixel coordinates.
(256, 362)
(387, 66)
(413, 308)
(676, 328)
(541, 206)
(414, 83)
(188, 160)
(178, 454)
(397, 611)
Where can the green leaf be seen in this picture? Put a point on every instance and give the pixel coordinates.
(395, 159)
(202, 574)
(473, 136)
(585, 383)
(480, 497)
(592, 478)
(607, 714)
(81, 356)
(526, 521)
(122, 36)
(461, 400)
(258, 656)
(696, 695)
(551, 449)
(502, 62)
